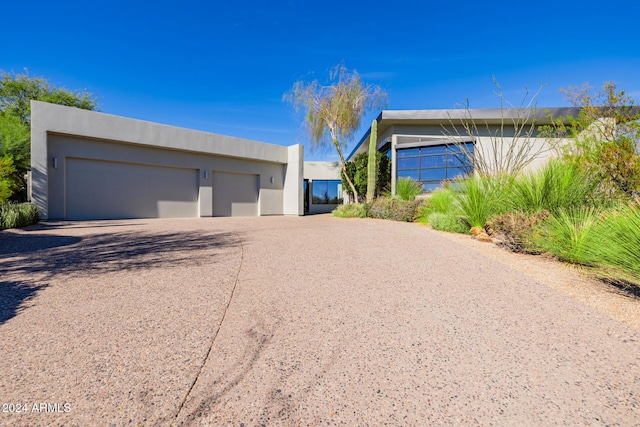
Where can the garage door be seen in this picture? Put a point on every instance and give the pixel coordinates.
(235, 194)
(112, 190)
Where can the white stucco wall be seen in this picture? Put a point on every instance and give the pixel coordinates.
(59, 132)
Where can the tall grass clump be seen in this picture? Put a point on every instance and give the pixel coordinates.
(440, 201)
(16, 215)
(407, 189)
(480, 197)
(558, 185)
(618, 248)
(572, 235)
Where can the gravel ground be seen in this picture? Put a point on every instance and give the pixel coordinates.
(325, 321)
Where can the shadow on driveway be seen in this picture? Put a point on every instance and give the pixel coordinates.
(29, 261)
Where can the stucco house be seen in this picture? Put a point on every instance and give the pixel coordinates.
(91, 165)
(426, 145)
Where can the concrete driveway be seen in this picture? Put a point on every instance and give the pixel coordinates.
(294, 321)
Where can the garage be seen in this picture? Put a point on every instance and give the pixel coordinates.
(87, 165)
(98, 189)
(235, 194)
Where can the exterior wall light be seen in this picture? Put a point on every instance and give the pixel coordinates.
(206, 174)
(55, 163)
(272, 180)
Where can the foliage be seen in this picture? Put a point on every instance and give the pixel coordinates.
(395, 209)
(14, 215)
(442, 201)
(357, 170)
(352, 210)
(480, 197)
(605, 138)
(372, 162)
(572, 235)
(7, 180)
(16, 93)
(407, 189)
(333, 112)
(447, 222)
(617, 248)
(14, 152)
(511, 146)
(558, 185)
(516, 231)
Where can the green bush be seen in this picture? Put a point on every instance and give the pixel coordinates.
(480, 197)
(351, 211)
(13, 215)
(516, 231)
(617, 250)
(572, 235)
(407, 189)
(395, 209)
(447, 222)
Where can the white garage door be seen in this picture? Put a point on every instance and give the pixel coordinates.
(112, 190)
(235, 194)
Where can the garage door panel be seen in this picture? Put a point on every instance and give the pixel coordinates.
(235, 194)
(112, 190)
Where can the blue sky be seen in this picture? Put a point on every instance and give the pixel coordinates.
(223, 66)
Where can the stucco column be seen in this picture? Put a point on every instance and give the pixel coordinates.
(394, 164)
(293, 202)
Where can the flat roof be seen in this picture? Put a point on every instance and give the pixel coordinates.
(388, 118)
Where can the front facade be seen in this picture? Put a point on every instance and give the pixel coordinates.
(435, 146)
(89, 165)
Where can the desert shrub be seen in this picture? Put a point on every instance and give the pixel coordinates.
(407, 189)
(480, 197)
(351, 211)
(447, 222)
(16, 215)
(516, 231)
(558, 185)
(358, 173)
(617, 250)
(395, 209)
(572, 235)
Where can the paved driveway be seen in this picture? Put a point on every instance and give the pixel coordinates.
(294, 321)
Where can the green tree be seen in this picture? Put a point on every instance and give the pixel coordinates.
(605, 137)
(7, 180)
(357, 172)
(16, 93)
(333, 112)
